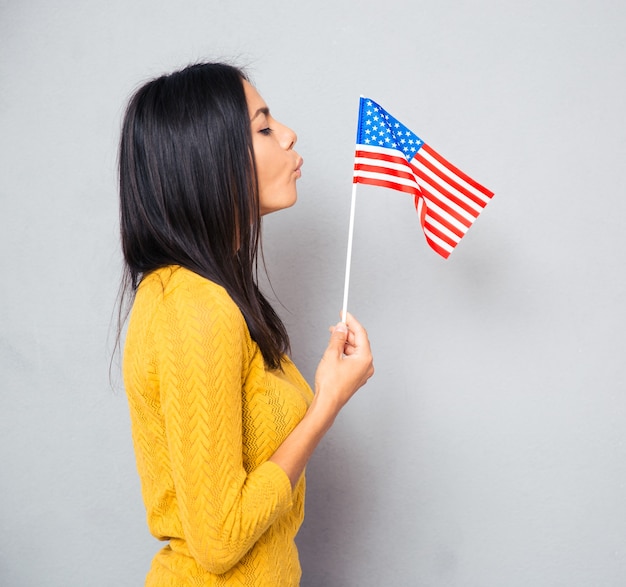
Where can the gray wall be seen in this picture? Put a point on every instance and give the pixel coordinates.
(489, 449)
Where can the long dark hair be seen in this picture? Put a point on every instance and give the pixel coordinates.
(189, 192)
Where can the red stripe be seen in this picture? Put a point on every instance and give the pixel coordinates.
(429, 190)
(447, 179)
(457, 171)
(385, 171)
(383, 157)
(435, 247)
(444, 206)
(442, 203)
(426, 213)
(442, 235)
(387, 184)
(421, 212)
(445, 198)
(451, 227)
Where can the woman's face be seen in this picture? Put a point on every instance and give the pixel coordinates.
(277, 164)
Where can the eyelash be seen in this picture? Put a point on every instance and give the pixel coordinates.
(266, 131)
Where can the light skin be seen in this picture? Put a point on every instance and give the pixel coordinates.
(347, 363)
(278, 165)
(345, 367)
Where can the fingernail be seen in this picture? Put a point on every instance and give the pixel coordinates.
(342, 327)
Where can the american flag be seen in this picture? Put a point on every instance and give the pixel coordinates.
(390, 155)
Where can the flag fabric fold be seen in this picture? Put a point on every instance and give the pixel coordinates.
(390, 155)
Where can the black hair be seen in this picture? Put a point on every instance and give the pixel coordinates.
(189, 192)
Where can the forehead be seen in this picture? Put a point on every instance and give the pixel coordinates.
(253, 98)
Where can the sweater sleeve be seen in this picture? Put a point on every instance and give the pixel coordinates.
(202, 355)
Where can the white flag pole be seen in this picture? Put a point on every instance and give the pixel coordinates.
(346, 286)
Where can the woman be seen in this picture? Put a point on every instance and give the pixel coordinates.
(223, 423)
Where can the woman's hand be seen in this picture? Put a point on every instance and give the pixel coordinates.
(346, 365)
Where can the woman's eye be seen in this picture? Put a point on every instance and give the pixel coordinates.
(266, 131)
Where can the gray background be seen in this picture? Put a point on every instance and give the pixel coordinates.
(489, 449)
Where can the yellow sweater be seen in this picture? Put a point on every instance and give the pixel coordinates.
(206, 415)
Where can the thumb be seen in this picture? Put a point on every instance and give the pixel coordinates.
(338, 338)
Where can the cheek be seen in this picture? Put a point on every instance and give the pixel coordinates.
(271, 166)
(263, 161)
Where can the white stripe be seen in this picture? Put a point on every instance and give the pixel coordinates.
(427, 187)
(451, 220)
(444, 245)
(387, 178)
(436, 181)
(430, 205)
(420, 204)
(447, 171)
(439, 182)
(397, 166)
(443, 228)
(377, 149)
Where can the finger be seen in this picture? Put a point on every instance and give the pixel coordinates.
(338, 338)
(357, 331)
(349, 347)
(349, 338)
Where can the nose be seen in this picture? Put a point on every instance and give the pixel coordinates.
(289, 138)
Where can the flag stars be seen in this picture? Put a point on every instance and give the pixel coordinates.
(378, 127)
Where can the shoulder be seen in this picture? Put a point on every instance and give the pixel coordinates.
(174, 280)
(182, 295)
(173, 283)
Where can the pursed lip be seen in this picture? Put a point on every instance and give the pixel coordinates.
(299, 165)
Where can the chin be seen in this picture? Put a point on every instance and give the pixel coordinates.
(276, 206)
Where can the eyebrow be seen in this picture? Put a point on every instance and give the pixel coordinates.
(265, 110)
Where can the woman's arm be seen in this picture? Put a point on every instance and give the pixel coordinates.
(223, 508)
(345, 366)
(201, 357)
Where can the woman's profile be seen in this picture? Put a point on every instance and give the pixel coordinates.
(223, 423)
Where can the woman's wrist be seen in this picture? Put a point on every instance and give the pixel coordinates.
(322, 411)
(293, 454)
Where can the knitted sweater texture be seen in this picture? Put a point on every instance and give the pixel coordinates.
(206, 415)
